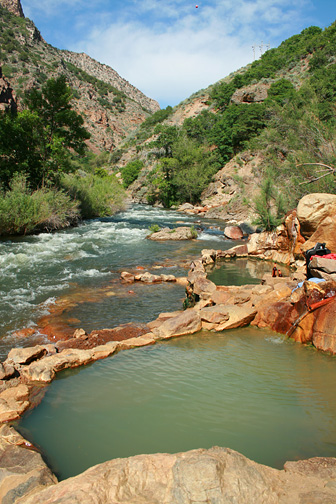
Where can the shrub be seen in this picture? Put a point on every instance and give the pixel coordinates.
(131, 172)
(23, 211)
(97, 197)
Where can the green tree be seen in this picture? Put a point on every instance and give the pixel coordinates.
(62, 127)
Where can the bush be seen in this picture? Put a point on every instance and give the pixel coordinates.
(97, 197)
(131, 171)
(23, 211)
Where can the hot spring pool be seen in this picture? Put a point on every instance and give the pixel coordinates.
(249, 389)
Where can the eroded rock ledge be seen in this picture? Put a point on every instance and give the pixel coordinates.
(217, 475)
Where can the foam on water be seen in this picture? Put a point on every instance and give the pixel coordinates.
(36, 268)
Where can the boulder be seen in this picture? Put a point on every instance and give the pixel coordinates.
(216, 475)
(179, 233)
(204, 288)
(214, 314)
(208, 256)
(23, 356)
(312, 209)
(325, 233)
(22, 469)
(273, 246)
(44, 371)
(238, 250)
(323, 268)
(239, 316)
(127, 277)
(233, 232)
(186, 322)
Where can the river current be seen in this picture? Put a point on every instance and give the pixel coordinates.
(251, 390)
(36, 270)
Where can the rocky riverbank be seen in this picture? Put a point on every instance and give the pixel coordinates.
(301, 309)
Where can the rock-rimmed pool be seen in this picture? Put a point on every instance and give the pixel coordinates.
(250, 390)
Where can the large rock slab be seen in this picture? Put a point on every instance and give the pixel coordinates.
(44, 371)
(312, 209)
(239, 316)
(217, 476)
(187, 322)
(22, 469)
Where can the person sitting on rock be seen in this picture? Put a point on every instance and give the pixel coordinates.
(279, 273)
(274, 270)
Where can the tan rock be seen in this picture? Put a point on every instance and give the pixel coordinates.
(239, 316)
(233, 232)
(146, 339)
(217, 475)
(208, 256)
(26, 355)
(325, 233)
(127, 277)
(204, 288)
(312, 209)
(179, 233)
(238, 250)
(7, 370)
(186, 322)
(45, 370)
(214, 314)
(22, 469)
(220, 296)
(13, 402)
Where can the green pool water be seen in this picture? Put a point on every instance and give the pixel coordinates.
(251, 390)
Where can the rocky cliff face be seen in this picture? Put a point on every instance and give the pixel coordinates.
(14, 6)
(112, 108)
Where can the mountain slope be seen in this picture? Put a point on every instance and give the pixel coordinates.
(110, 105)
(272, 121)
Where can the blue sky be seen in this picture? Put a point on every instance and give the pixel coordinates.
(171, 49)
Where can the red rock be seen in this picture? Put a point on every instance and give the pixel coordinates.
(233, 232)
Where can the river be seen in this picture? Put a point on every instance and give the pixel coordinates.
(250, 390)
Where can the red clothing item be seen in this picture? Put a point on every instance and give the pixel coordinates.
(327, 256)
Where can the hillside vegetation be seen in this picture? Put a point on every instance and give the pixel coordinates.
(245, 149)
(282, 106)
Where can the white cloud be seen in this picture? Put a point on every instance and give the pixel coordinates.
(169, 61)
(169, 49)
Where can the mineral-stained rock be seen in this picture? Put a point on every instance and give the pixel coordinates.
(22, 470)
(187, 322)
(217, 475)
(324, 329)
